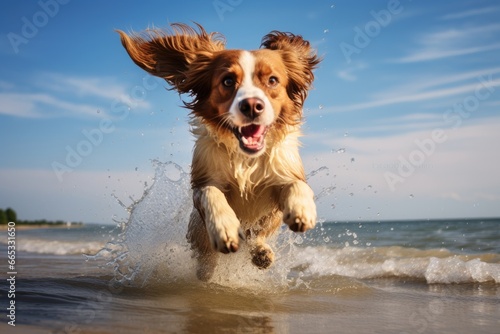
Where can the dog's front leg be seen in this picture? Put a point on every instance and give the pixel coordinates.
(298, 207)
(223, 227)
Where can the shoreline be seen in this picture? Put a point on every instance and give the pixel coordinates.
(4, 227)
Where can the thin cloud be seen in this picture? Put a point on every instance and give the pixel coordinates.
(421, 93)
(65, 96)
(453, 42)
(348, 74)
(418, 97)
(81, 86)
(424, 83)
(471, 12)
(427, 55)
(39, 105)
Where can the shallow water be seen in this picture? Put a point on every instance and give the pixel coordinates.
(392, 277)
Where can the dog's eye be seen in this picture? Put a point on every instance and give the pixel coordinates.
(273, 81)
(228, 82)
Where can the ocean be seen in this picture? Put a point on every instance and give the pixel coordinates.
(432, 276)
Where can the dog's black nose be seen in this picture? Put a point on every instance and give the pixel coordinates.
(251, 107)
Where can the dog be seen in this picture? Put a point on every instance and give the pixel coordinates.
(247, 176)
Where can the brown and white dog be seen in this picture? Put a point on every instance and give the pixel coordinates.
(247, 175)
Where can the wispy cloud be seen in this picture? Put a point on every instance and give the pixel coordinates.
(471, 12)
(102, 87)
(40, 105)
(423, 91)
(454, 42)
(429, 54)
(418, 97)
(57, 95)
(429, 81)
(349, 74)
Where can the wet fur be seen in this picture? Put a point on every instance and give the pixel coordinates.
(236, 196)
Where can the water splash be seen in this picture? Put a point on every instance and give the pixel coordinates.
(317, 171)
(152, 244)
(152, 249)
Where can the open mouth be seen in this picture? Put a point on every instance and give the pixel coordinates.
(251, 137)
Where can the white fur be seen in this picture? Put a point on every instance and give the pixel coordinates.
(298, 205)
(222, 224)
(247, 89)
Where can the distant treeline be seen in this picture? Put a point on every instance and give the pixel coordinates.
(9, 215)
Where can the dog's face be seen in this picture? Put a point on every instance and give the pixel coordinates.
(244, 93)
(248, 95)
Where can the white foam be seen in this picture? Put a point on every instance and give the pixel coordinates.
(56, 247)
(383, 262)
(455, 270)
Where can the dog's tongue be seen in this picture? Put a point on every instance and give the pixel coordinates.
(252, 131)
(251, 137)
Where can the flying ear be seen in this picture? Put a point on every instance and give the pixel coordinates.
(169, 54)
(299, 58)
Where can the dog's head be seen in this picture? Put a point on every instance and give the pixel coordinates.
(245, 93)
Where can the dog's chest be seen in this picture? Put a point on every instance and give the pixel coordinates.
(251, 207)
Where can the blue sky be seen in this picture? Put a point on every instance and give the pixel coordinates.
(403, 121)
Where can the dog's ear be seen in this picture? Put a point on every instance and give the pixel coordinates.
(299, 58)
(169, 54)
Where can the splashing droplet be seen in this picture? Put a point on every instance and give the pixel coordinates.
(320, 106)
(346, 134)
(326, 31)
(411, 196)
(340, 150)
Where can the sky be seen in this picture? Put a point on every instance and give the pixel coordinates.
(403, 121)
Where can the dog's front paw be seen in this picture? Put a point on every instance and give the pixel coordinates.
(223, 227)
(225, 234)
(301, 218)
(299, 209)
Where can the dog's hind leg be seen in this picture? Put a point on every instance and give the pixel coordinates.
(206, 257)
(262, 254)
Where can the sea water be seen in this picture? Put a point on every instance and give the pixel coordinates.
(151, 246)
(139, 275)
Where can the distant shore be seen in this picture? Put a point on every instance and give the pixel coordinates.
(30, 226)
